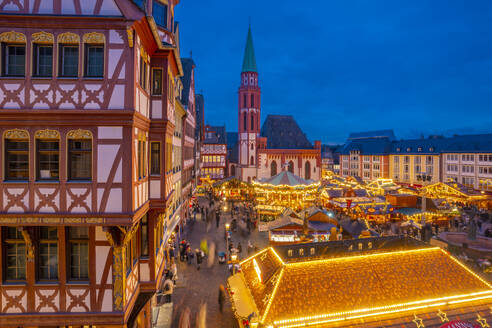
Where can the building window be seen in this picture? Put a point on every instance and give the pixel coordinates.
(16, 159)
(159, 12)
(143, 73)
(252, 121)
(252, 161)
(157, 82)
(78, 253)
(48, 253)
(94, 60)
(312, 251)
(15, 254)
(69, 61)
(47, 155)
(144, 237)
(301, 252)
(307, 171)
(273, 168)
(43, 60)
(245, 121)
(139, 159)
(291, 167)
(252, 101)
(79, 159)
(14, 60)
(244, 101)
(155, 158)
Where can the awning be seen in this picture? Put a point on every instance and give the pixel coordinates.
(242, 301)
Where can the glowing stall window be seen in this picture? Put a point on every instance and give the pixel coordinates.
(257, 269)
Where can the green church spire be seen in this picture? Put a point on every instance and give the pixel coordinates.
(249, 61)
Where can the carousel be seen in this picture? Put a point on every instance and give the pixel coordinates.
(286, 190)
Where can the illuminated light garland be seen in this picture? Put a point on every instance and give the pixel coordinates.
(273, 296)
(254, 255)
(395, 308)
(346, 258)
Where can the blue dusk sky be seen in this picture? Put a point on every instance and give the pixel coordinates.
(341, 66)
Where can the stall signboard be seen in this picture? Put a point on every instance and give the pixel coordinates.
(459, 324)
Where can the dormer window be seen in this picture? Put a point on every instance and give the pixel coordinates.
(398, 149)
(419, 149)
(431, 149)
(409, 149)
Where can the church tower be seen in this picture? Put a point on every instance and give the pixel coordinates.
(248, 113)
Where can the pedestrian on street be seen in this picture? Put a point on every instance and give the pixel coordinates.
(198, 255)
(250, 247)
(189, 254)
(221, 297)
(185, 318)
(239, 248)
(167, 290)
(217, 219)
(174, 270)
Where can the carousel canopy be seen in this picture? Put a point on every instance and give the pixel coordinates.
(372, 288)
(286, 178)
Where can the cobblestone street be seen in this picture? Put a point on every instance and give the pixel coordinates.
(195, 287)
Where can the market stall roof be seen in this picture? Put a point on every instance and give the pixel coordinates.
(355, 227)
(408, 211)
(453, 189)
(228, 180)
(279, 223)
(362, 289)
(286, 178)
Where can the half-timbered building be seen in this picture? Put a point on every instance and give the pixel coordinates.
(86, 123)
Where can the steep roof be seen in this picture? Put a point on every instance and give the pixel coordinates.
(200, 118)
(249, 60)
(232, 147)
(286, 178)
(282, 132)
(339, 291)
(375, 146)
(420, 146)
(188, 65)
(219, 136)
(389, 134)
(469, 144)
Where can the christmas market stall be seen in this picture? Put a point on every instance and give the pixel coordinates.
(457, 193)
(233, 189)
(374, 282)
(381, 187)
(311, 224)
(286, 189)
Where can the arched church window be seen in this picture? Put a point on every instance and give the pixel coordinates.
(252, 161)
(307, 171)
(273, 168)
(252, 121)
(252, 100)
(245, 120)
(244, 101)
(291, 167)
(252, 147)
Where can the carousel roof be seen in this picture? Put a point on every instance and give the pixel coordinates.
(362, 289)
(286, 178)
